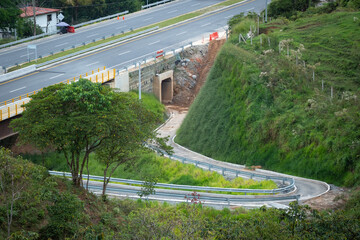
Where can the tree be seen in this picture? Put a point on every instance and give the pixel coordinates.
(69, 119)
(130, 125)
(14, 176)
(82, 117)
(9, 14)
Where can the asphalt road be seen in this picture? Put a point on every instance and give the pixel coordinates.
(19, 54)
(128, 52)
(306, 188)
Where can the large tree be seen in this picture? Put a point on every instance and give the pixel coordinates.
(79, 118)
(9, 14)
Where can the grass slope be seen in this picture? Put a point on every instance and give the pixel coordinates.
(259, 108)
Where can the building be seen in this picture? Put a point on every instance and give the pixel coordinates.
(46, 18)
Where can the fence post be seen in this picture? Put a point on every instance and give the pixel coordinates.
(102, 77)
(8, 112)
(16, 109)
(0, 115)
(114, 73)
(104, 67)
(74, 79)
(108, 75)
(96, 78)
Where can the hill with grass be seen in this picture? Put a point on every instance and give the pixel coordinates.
(288, 101)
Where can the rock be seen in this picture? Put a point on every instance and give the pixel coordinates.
(194, 77)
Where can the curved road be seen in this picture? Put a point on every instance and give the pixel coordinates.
(306, 188)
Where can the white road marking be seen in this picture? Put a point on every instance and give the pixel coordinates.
(249, 9)
(91, 64)
(57, 76)
(24, 55)
(229, 16)
(180, 33)
(195, 4)
(205, 25)
(123, 53)
(17, 89)
(173, 11)
(92, 35)
(121, 27)
(61, 44)
(148, 19)
(153, 43)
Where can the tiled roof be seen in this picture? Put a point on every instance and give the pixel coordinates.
(28, 11)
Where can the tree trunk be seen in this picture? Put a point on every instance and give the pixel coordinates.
(105, 181)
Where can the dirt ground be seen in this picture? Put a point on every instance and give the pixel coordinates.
(334, 199)
(191, 72)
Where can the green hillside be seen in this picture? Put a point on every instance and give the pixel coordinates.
(258, 107)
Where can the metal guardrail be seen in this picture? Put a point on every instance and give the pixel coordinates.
(91, 48)
(155, 4)
(95, 47)
(100, 19)
(205, 198)
(176, 186)
(251, 175)
(183, 187)
(47, 34)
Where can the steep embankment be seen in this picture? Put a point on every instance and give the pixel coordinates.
(262, 107)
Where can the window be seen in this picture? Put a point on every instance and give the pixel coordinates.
(49, 18)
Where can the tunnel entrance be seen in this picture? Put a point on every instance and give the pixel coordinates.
(163, 86)
(166, 90)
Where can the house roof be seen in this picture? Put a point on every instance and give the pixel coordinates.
(28, 11)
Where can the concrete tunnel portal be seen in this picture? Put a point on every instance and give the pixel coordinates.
(163, 86)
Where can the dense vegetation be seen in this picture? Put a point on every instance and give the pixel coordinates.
(49, 207)
(259, 107)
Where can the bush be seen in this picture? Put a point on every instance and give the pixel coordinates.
(65, 216)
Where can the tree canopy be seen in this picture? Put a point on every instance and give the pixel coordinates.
(82, 117)
(9, 14)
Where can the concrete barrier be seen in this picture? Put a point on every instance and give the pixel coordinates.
(17, 73)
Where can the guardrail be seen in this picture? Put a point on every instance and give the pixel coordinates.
(47, 34)
(155, 4)
(176, 186)
(88, 42)
(14, 107)
(223, 170)
(189, 188)
(204, 198)
(101, 19)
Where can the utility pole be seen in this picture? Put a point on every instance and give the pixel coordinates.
(34, 12)
(139, 80)
(266, 3)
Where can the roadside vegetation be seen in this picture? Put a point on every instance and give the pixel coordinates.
(48, 207)
(262, 107)
(148, 165)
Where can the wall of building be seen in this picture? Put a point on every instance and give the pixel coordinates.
(41, 20)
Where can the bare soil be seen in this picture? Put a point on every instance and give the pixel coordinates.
(191, 72)
(336, 198)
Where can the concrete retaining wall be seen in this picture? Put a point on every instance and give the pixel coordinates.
(17, 73)
(148, 73)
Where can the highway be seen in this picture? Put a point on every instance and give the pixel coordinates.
(128, 52)
(18, 54)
